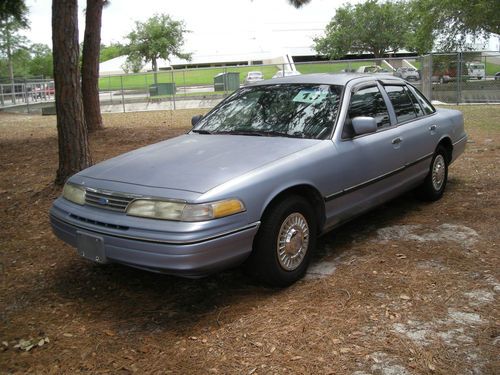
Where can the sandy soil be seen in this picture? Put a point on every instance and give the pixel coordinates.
(410, 288)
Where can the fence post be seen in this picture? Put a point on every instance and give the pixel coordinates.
(27, 95)
(173, 85)
(184, 80)
(459, 76)
(109, 89)
(225, 81)
(13, 92)
(123, 97)
(428, 77)
(1, 95)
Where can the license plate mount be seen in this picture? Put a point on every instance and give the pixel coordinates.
(91, 247)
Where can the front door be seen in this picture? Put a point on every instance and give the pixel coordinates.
(367, 166)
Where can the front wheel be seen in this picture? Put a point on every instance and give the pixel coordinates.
(433, 187)
(284, 242)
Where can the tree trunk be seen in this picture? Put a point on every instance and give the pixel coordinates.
(154, 65)
(90, 65)
(74, 153)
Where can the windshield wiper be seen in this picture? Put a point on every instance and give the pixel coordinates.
(261, 133)
(240, 132)
(274, 133)
(201, 131)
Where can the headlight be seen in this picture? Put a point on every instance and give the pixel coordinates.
(184, 211)
(74, 193)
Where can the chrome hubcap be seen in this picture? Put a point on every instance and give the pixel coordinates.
(293, 241)
(438, 172)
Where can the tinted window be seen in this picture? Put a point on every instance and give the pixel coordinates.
(401, 102)
(367, 101)
(426, 106)
(416, 105)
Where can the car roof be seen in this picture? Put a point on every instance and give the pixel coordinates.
(340, 79)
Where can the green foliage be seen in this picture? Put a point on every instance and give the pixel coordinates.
(449, 22)
(14, 10)
(133, 64)
(31, 61)
(371, 26)
(159, 37)
(41, 63)
(11, 42)
(111, 51)
(10, 39)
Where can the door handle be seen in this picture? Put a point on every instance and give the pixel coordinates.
(396, 141)
(432, 128)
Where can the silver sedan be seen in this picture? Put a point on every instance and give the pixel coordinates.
(260, 176)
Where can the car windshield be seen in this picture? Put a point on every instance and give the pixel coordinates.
(286, 110)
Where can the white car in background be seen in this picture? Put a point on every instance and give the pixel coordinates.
(286, 73)
(408, 74)
(476, 70)
(372, 69)
(252, 77)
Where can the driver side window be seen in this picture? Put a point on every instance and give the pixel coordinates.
(367, 101)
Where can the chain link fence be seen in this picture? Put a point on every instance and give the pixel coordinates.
(448, 78)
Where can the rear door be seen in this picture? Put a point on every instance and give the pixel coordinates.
(418, 127)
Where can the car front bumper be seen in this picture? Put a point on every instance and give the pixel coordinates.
(188, 258)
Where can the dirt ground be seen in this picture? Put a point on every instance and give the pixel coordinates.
(410, 288)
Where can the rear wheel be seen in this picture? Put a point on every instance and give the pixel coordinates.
(284, 243)
(433, 187)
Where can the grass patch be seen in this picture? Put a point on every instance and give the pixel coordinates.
(191, 77)
(491, 68)
(481, 117)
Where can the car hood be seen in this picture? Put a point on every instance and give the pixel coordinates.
(195, 162)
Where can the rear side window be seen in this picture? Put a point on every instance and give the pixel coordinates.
(401, 102)
(424, 103)
(367, 101)
(416, 105)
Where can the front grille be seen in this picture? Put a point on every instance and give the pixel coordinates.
(100, 223)
(107, 200)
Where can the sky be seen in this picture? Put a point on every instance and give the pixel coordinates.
(217, 26)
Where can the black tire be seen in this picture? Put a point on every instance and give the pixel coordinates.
(264, 263)
(434, 184)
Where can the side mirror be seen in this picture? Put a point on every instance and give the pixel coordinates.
(364, 125)
(196, 119)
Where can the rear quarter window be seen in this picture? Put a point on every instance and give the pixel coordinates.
(424, 103)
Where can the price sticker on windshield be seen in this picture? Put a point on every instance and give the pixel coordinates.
(310, 96)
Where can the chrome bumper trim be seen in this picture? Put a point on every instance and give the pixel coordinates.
(464, 138)
(376, 179)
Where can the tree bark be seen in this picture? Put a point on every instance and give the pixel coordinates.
(90, 65)
(74, 153)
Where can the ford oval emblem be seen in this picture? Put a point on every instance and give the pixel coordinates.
(103, 201)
